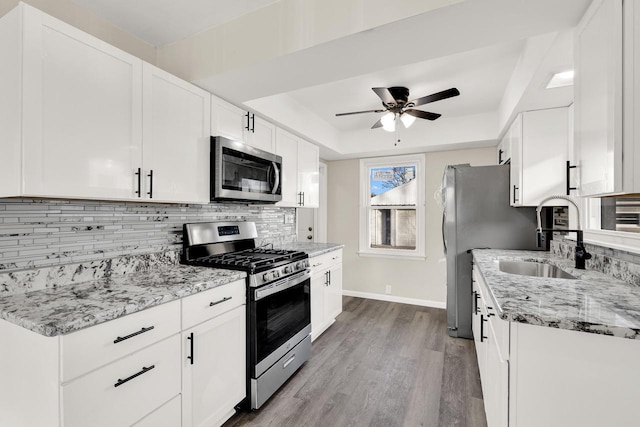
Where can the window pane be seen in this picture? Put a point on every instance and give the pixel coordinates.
(620, 214)
(392, 228)
(393, 186)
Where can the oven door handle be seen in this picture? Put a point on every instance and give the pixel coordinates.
(281, 285)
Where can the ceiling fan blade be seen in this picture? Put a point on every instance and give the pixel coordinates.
(423, 114)
(360, 112)
(384, 94)
(377, 124)
(436, 97)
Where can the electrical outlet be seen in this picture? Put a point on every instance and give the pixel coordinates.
(388, 290)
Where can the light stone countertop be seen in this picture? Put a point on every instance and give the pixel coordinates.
(65, 309)
(312, 249)
(594, 302)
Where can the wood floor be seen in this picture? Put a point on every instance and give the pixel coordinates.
(380, 364)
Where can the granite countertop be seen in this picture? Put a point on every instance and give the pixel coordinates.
(68, 308)
(594, 302)
(312, 249)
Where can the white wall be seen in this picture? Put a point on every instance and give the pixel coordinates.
(421, 280)
(89, 22)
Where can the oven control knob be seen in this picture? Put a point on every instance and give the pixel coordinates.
(266, 277)
(275, 274)
(287, 269)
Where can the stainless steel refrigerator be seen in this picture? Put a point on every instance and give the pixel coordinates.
(477, 214)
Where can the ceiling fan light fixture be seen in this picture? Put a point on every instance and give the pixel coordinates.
(388, 122)
(407, 120)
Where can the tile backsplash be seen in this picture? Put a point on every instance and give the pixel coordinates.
(41, 232)
(619, 264)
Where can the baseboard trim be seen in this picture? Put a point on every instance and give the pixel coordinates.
(393, 298)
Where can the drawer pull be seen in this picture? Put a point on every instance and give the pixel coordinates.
(219, 301)
(141, 331)
(288, 362)
(137, 374)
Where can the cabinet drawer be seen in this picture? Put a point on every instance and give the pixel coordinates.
(168, 415)
(94, 400)
(93, 347)
(205, 305)
(323, 261)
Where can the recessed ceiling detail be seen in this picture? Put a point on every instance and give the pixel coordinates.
(162, 22)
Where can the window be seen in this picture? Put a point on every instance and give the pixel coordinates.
(392, 206)
(612, 222)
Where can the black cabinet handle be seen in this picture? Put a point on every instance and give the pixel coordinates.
(211, 304)
(247, 127)
(190, 357)
(303, 198)
(329, 277)
(137, 374)
(253, 123)
(569, 187)
(500, 153)
(482, 320)
(489, 314)
(515, 200)
(139, 174)
(326, 278)
(476, 296)
(150, 192)
(141, 331)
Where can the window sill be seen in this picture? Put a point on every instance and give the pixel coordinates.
(408, 257)
(620, 240)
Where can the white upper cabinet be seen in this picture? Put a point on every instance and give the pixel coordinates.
(300, 171)
(604, 120)
(308, 174)
(515, 147)
(226, 119)
(503, 150)
(176, 140)
(82, 107)
(239, 125)
(539, 153)
(287, 148)
(90, 121)
(259, 133)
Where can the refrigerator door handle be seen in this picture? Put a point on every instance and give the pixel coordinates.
(444, 239)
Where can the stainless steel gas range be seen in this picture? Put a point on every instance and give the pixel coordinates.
(278, 300)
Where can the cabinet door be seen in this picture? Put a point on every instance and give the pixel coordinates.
(308, 174)
(214, 369)
(226, 119)
(496, 391)
(82, 113)
(544, 155)
(318, 290)
(598, 98)
(176, 140)
(333, 294)
(261, 134)
(515, 144)
(287, 148)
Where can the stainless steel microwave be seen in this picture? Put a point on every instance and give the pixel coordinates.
(241, 172)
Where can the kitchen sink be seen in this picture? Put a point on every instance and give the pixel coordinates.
(531, 268)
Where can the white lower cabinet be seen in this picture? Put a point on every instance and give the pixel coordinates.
(541, 376)
(122, 392)
(214, 369)
(168, 415)
(326, 291)
(140, 369)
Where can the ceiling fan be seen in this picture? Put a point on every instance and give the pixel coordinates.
(395, 101)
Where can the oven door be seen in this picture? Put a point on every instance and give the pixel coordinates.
(280, 317)
(242, 172)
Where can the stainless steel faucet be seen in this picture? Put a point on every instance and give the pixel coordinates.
(581, 254)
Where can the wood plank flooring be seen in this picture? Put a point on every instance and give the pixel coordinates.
(380, 364)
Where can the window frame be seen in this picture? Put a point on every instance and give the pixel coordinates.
(621, 240)
(417, 160)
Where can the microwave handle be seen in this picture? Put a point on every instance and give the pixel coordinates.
(276, 181)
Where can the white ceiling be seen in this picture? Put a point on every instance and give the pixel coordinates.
(480, 75)
(161, 22)
(477, 46)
